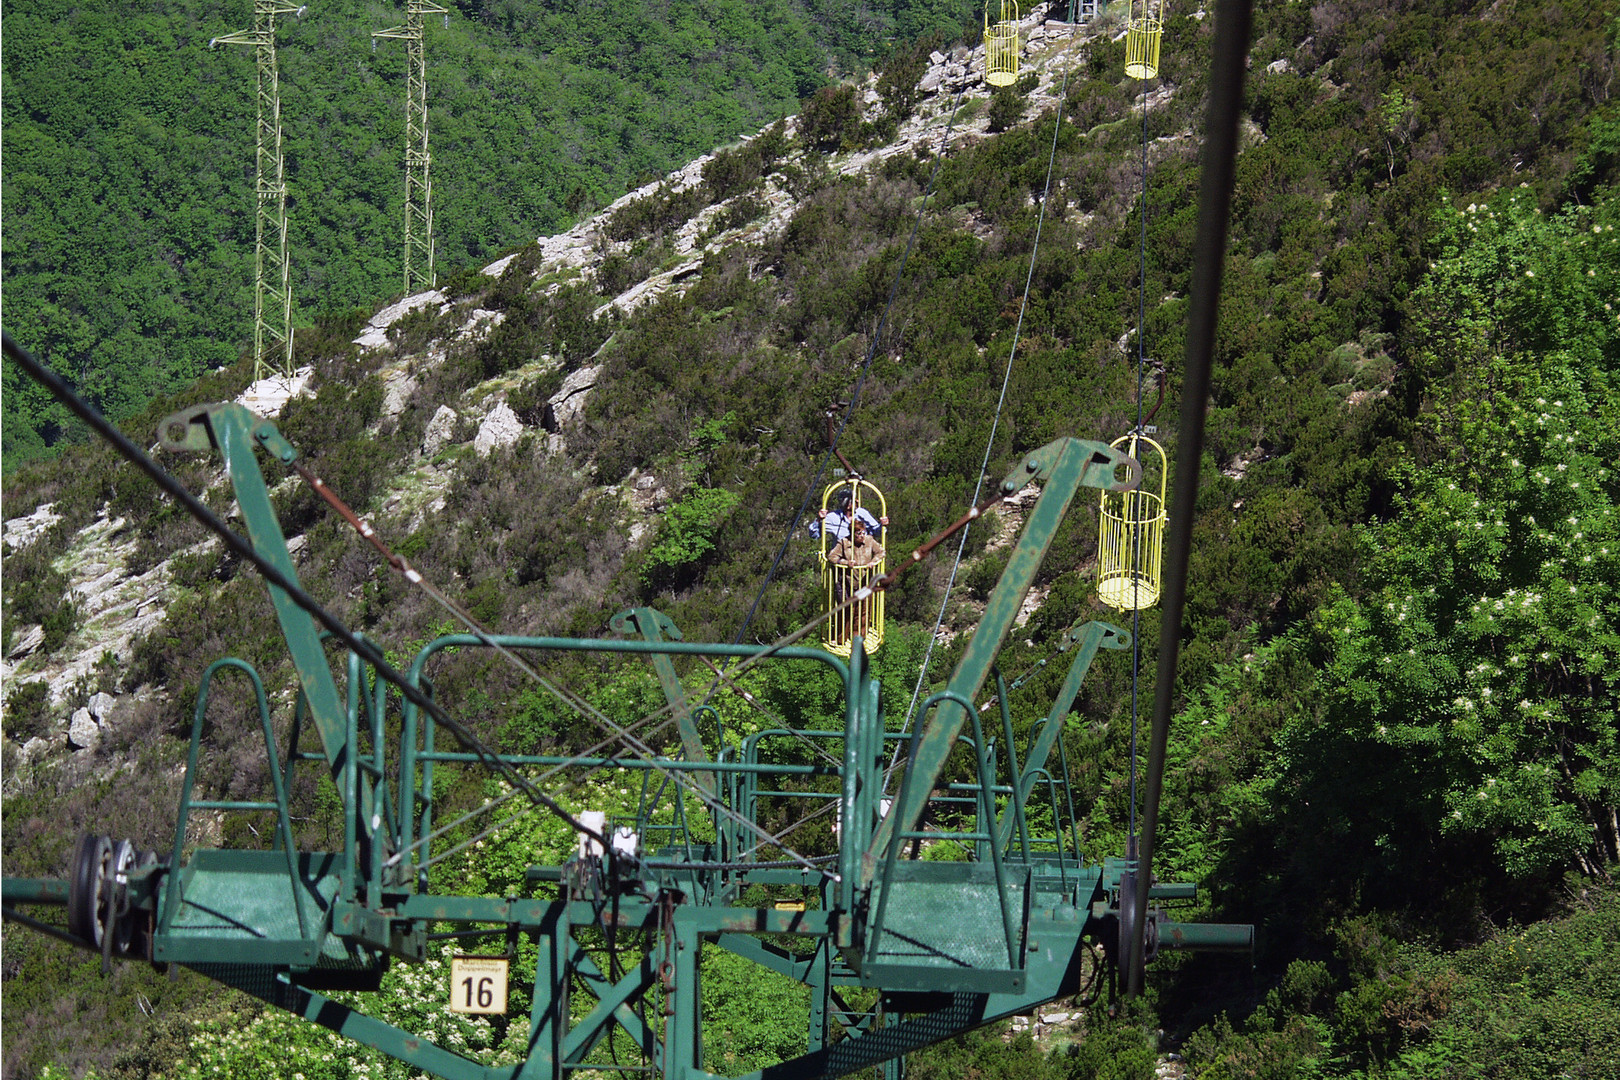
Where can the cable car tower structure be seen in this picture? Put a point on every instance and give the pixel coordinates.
(897, 951)
(419, 272)
(272, 274)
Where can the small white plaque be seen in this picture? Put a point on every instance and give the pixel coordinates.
(478, 984)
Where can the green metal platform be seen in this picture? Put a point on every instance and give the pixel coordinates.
(943, 930)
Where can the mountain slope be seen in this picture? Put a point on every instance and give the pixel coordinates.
(772, 265)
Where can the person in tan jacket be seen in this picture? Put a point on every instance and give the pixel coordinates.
(854, 551)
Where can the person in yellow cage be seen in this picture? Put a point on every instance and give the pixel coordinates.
(850, 555)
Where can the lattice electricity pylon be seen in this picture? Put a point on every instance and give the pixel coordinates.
(272, 278)
(419, 273)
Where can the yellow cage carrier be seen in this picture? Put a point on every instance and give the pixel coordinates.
(1001, 45)
(856, 611)
(1144, 32)
(1130, 532)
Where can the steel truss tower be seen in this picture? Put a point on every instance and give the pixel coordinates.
(419, 273)
(272, 291)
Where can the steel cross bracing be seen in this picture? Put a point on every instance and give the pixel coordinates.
(898, 953)
(419, 272)
(272, 276)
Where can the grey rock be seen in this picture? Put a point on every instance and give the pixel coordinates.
(397, 390)
(83, 731)
(101, 706)
(375, 335)
(500, 428)
(439, 431)
(29, 639)
(568, 402)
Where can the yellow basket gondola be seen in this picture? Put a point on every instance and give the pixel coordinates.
(1001, 45)
(1144, 33)
(1130, 532)
(862, 615)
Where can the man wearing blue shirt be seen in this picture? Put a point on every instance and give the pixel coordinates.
(836, 520)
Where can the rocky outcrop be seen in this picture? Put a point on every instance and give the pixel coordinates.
(19, 532)
(440, 430)
(269, 396)
(500, 427)
(375, 335)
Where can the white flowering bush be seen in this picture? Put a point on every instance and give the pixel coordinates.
(1488, 652)
(276, 1045)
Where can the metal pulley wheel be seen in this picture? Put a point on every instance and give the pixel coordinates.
(85, 884)
(1127, 914)
(99, 910)
(118, 913)
(1128, 918)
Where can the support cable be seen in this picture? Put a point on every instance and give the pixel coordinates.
(989, 446)
(1136, 537)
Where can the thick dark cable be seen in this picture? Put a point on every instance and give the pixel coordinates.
(365, 649)
(1232, 24)
(1136, 534)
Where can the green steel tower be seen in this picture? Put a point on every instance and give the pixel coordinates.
(272, 292)
(419, 274)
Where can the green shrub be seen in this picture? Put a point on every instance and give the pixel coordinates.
(27, 710)
(829, 119)
(659, 212)
(688, 534)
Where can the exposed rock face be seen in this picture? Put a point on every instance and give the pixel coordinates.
(398, 387)
(480, 324)
(500, 428)
(114, 609)
(440, 430)
(268, 396)
(83, 731)
(19, 532)
(375, 335)
(567, 403)
(29, 638)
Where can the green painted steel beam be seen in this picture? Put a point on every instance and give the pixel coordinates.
(768, 956)
(1208, 937)
(235, 432)
(1089, 636)
(16, 890)
(1064, 465)
(639, 764)
(612, 1006)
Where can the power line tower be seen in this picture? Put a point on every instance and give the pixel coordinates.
(272, 289)
(419, 273)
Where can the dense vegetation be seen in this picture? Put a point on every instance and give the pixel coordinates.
(1397, 747)
(129, 155)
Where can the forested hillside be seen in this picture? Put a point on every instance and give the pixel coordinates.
(1395, 747)
(128, 250)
